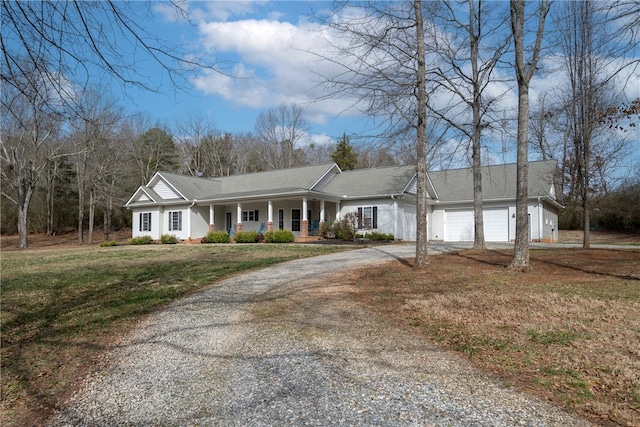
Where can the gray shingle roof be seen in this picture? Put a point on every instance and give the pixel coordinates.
(273, 181)
(370, 182)
(189, 186)
(498, 182)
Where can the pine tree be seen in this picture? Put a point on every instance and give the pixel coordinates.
(344, 156)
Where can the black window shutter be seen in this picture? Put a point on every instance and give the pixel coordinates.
(375, 217)
(140, 224)
(257, 215)
(359, 218)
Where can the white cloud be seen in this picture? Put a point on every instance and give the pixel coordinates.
(277, 64)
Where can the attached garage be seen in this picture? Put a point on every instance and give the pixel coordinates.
(496, 224)
(458, 225)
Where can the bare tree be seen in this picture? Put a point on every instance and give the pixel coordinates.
(281, 130)
(29, 131)
(84, 41)
(50, 51)
(381, 52)
(92, 129)
(593, 55)
(524, 69)
(421, 142)
(194, 133)
(154, 151)
(457, 44)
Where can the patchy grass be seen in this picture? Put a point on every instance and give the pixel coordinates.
(62, 308)
(569, 331)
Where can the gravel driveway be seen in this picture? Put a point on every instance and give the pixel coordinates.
(286, 346)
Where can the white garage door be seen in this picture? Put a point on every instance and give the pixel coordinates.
(496, 225)
(459, 225)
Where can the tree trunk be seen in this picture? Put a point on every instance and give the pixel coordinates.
(92, 208)
(50, 197)
(107, 218)
(80, 214)
(478, 235)
(524, 72)
(421, 145)
(24, 198)
(521, 250)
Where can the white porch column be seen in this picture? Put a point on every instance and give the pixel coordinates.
(189, 223)
(270, 216)
(239, 218)
(304, 226)
(212, 218)
(338, 211)
(321, 210)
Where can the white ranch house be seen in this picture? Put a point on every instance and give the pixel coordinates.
(299, 199)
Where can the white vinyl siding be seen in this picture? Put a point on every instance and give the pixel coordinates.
(165, 191)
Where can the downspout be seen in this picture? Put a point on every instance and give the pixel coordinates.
(395, 217)
(540, 223)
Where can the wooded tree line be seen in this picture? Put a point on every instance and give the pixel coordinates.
(90, 165)
(433, 75)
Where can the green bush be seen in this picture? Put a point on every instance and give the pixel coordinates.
(141, 240)
(247, 237)
(168, 239)
(375, 236)
(279, 236)
(108, 243)
(216, 237)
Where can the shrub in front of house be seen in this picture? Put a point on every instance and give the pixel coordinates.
(108, 243)
(168, 239)
(247, 237)
(216, 237)
(141, 240)
(279, 236)
(326, 230)
(377, 237)
(345, 229)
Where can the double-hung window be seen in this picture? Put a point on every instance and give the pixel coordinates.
(175, 221)
(250, 216)
(145, 221)
(368, 218)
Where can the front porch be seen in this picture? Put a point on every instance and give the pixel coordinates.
(302, 216)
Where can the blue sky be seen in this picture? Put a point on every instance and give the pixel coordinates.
(266, 46)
